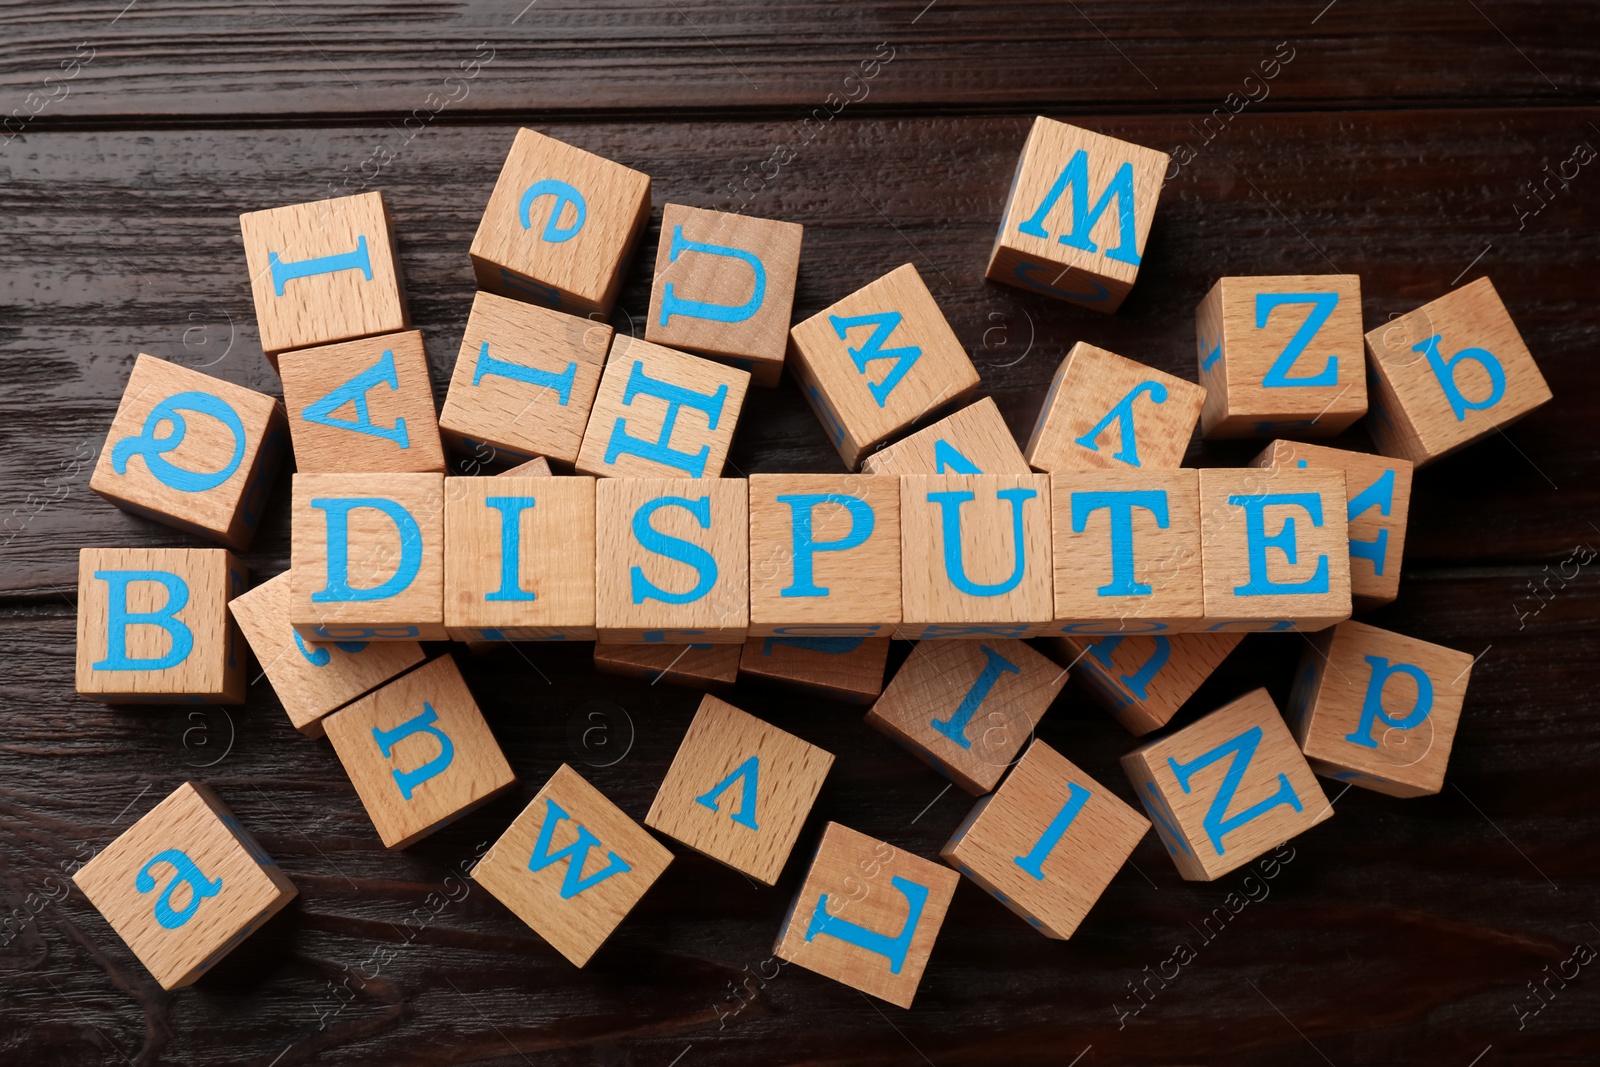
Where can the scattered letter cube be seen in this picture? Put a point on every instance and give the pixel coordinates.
(974, 440)
(841, 668)
(1143, 679)
(703, 666)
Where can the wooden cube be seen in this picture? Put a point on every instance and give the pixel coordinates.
(312, 679)
(974, 440)
(1143, 679)
(1226, 788)
(1379, 489)
(672, 560)
(153, 626)
(877, 361)
(739, 790)
(525, 381)
(1126, 551)
(1449, 373)
(1275, 551)
(966, 708)
(824, 554)
(975, 555)
(419, 753)
(1047, 842)
(1281, 355)
(724, 287)
(368, 557)
(1104, 411)
(867, 915)
(185, 885)
(560, 226)
(703, 666)
(537, 467)
(661, 414)
(1060, 235)
(840, 668)
(572, 865)
(362, 406)
(192, 451)
(1379, 709)
(519, 558)
(323, 272)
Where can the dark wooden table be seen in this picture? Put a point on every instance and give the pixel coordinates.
(1399, 142)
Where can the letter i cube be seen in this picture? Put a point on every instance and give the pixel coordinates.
(192, 451)
(1448, 373)
(185, 885)
(419, 753)
(323, 272)
(877, 361)
(739, 790)
(1143, 679)
(1281, 355)
(724, 287)
(560, 226)
(153, 626)
(974, 440)
(967, 708)
(1077, 216)
(1379, 709)
(572, 866)
(1226, 788)
(867, 915)
(1047, 842)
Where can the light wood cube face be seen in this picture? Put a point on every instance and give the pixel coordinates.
(1077, 216)
(1449, 373)
(525, 381)
(363, 406)
(560, 226)
(1379, 709)
(661, 414)
(153, 626)
(520, 558)
(672, 560)
(1227, 788)
(867, 915)
(840, 668)
(192, 451)
(1047, 842)
(184, 885)
(1126, 551)
(1144, 679)
(739, 790)
(704, 665)
(1275, 548)
(572, 866)
(1106, 412)
(367, 557)
(724, 288)
(877, 361)
(419, 753)
(966, 708)
(312, 680)
(974, 440)
(824, 554)
(1281, 355)
(537, 467)
(975, 555)
(323, 272)
(1379, 488)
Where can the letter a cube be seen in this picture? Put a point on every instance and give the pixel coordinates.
(1379, 709)
(867, 915)
(724, 287)
(572, 866)
(153, 626)
(192, 451)
(1449, 373)
(185, 885)
(1143, 679)
(739, 790)
(1047, 842)
(974, 440)
(419, 753)
(1226, 788)
(1078, 215)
